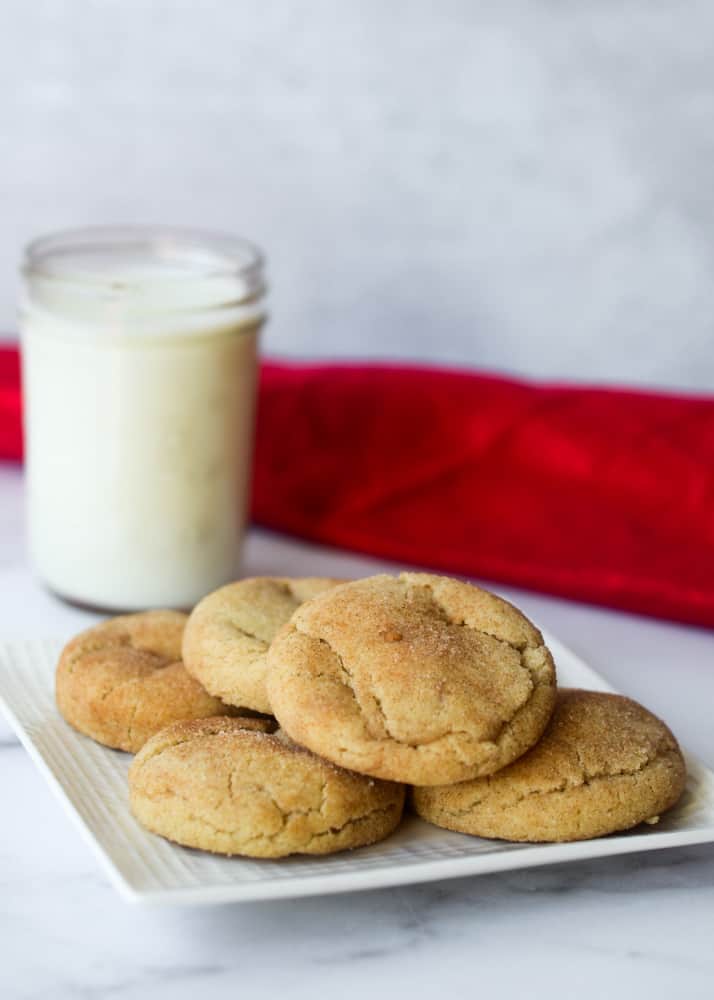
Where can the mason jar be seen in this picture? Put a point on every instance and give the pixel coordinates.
(139, 350)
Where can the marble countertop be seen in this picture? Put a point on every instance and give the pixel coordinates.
(639, 925)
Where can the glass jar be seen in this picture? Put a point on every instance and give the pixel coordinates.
(139, 351)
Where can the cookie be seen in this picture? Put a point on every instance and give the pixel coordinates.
(604, 764)
(215, 785)
(122, 681)
(417, 678)
(229, 631)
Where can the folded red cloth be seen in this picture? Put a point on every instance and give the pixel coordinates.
(10, 421)
(601, 495)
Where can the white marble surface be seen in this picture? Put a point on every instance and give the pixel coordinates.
(520, 184)
(626, 927)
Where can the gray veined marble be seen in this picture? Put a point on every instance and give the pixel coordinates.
(625, 927)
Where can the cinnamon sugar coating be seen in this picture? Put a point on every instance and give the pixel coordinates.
(123, 680)
(604, 764)
(416, 678)
(229, 786)
(229, 631)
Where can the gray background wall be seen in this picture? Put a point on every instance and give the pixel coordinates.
(519, 185)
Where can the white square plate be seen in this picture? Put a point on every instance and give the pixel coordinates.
(90, 781)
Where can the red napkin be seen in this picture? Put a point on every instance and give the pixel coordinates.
(602, 495)
(10, 425)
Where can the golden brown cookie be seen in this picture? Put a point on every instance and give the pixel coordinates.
(215, 785)
(122, 681)
(417, 678)
(604, 763)
(229, 631)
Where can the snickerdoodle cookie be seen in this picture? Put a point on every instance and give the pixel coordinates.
(604, 763)
(415, 678)
(215, 785)
(123, 680)
(229, 631)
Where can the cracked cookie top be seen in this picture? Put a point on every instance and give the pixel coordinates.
(229, 786)
(604, 764)
(416, 678)
(229, 631)
(123, 680)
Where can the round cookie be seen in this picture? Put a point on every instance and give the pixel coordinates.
(416, 678)
(122, 681)
(604, 764)
(215, 785)
(229, 631)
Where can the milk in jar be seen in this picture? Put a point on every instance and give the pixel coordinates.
(139, 371)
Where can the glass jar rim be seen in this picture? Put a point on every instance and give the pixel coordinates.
(204, 254)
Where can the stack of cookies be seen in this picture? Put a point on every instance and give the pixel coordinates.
(293, 715)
